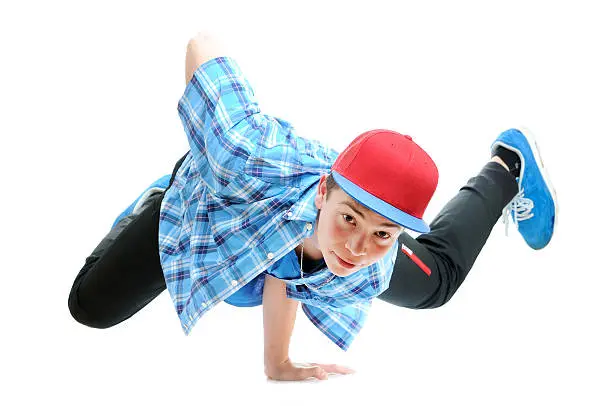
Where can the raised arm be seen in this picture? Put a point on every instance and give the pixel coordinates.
(213, 109)
(201, 48)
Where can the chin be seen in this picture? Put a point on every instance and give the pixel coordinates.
(336, 268)
(342, 272)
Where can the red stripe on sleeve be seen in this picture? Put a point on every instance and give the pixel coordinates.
(416, 260)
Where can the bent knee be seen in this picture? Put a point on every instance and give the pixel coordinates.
(87, 317)
(414, 300)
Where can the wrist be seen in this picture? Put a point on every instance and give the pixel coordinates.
(274, 361)
(273, 368)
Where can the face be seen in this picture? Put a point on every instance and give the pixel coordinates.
(350, 236)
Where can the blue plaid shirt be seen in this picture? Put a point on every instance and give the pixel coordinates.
(241, 202)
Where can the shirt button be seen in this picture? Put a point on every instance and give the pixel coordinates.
(308, 226)
(270, 255)
(289, 213)
(234, 283)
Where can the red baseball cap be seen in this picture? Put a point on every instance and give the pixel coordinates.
(388, 173)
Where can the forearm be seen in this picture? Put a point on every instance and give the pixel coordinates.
(279, 319)
(201, 48)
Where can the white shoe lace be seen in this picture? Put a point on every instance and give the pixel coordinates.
(521, 206)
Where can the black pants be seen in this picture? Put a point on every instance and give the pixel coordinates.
(457, 236)
(123, 273)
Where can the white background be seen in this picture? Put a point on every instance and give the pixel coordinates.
(88, 119)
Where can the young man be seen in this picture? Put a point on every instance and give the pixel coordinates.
(254, 214)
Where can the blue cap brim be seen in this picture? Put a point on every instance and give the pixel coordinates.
(379, 206)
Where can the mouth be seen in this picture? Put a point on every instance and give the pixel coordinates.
(343, 263)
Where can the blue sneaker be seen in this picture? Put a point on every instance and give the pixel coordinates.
(534, 209)
(159, 186)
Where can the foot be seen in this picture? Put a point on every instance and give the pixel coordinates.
(138, 205)
(534, 208)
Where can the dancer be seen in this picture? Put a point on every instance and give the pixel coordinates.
(254, 214)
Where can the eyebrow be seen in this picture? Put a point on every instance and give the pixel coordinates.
(352, 206)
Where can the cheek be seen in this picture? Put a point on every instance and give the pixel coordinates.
(380, 251)
(377, 252)
(339, 231)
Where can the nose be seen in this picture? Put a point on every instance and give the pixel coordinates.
(356, 245)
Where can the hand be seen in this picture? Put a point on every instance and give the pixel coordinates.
(289, 371)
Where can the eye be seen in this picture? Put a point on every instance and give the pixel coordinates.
(383, 234)
(348, 218)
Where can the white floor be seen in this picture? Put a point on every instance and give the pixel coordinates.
(88, 105)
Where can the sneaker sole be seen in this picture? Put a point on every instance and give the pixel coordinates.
(145, 196)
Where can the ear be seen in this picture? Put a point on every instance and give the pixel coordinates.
(321, 192)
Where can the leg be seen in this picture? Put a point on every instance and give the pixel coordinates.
(457, 235)
(461, 229)
(123, 273)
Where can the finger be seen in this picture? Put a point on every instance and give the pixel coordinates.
(336, 369)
